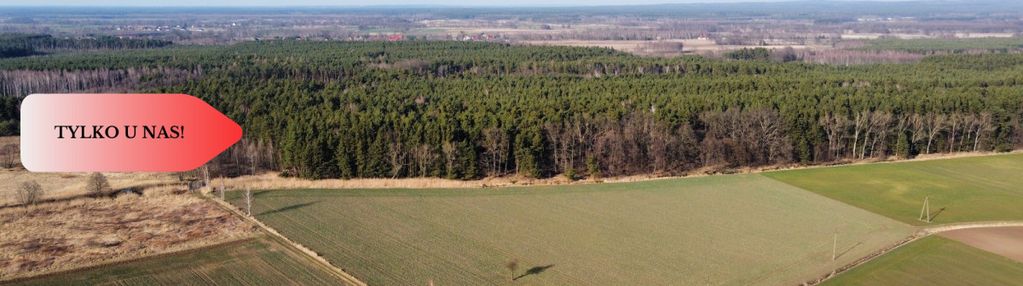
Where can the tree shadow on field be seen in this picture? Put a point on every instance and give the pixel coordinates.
(536, 270)
(287, 208)
(848, 249)
(935, 215)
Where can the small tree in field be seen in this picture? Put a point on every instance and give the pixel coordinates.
(30, 192)
(97, 184)
(512, 265)
(9, 156)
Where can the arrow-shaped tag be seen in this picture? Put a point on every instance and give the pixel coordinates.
(121, 132)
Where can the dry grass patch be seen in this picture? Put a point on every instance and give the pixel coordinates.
(256, 261)
(272, 181)
(66, 235)
(62, 185)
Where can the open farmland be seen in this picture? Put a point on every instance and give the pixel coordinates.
(1005, 241)
(935, 261)
(67, 235)
(256, 261)
(722, 230)
(63, 185)
(985, 188)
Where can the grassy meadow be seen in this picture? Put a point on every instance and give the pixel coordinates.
(720, 230)
(934, 261)
(251, 262)
(986, 188)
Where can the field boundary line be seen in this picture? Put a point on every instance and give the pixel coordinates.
(922, 232)
(496, 182)
(116, 262)
(968, 225)
(308, 253)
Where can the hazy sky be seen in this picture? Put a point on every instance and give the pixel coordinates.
(348, 2)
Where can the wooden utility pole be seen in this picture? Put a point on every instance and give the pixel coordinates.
(834, 248)
(222, 188)
(925, 211)
(206, 177)
(834, 254)
(248, 202)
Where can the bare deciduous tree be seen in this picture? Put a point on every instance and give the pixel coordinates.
(248, 202)
(919, 125)
(835, 127)
(423, 155)
(495, 143)
(397, 156)
(9, 156)
(744, 138)
(97, 184)
(984, 127)
(512, 266)
(954, 121)
(860, 120)
(880, 125)
(934, 124)
(222, 188)
(451, 154)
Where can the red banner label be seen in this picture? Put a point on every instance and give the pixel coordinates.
(121, 132)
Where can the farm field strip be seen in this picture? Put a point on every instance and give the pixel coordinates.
(934, 260)
(975, 200)
(970, 229)
(1005, 241)
(742, 229)
(971, 189)
(256, 261)
(298, 249)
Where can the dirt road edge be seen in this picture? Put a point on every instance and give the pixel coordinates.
(921, 233)
(308, 253)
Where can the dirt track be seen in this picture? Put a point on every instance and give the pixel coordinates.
(966, 228)
(318, 260)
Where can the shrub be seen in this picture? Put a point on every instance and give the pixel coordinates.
(97, 184)
(30, 192)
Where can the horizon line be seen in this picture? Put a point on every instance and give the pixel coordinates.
(562, 5)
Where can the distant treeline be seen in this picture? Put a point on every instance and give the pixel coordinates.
(21, 45)
(468, 110)
(10, 114)
(953, 46)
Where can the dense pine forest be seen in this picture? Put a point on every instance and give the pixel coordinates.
(468, 110)
(21, 45)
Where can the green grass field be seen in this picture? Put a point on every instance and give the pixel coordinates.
(252, 262)
(721, 230)
(983, 188)
(935, 261)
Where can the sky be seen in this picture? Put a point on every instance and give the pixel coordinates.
(240, 3)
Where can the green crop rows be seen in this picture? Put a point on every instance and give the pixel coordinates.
(959, 190)
(733, 230)
(935, 261)
(252, 262)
